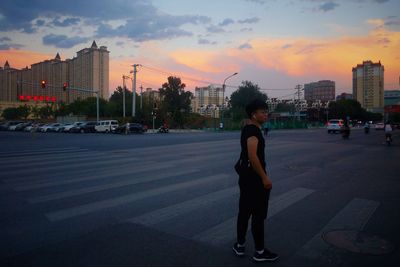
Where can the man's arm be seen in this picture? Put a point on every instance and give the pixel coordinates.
(252, 143)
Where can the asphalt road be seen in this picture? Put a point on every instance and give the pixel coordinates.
(171, 199)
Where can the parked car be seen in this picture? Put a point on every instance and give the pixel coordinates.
(379, 126)
(14, 125)
(85, 127)
(55, 128)
(46, 128)
(107, 126)
(335, 126)
(22, 126)
(67, 127)
(4, 126)
(133, 128)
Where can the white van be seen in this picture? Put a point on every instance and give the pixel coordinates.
(106, 126)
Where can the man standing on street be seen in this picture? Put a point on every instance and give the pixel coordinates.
(254, 183)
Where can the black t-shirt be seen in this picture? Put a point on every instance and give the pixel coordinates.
(247, 132)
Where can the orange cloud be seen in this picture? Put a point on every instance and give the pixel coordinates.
(331, 58)
(21, 58)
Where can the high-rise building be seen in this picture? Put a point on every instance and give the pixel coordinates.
(321, 90)
(208, 100)
(368, 85)
(89, 70)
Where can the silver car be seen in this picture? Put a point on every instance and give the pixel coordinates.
(335, 126)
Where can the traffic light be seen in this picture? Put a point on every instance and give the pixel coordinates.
(65, 86)
(43, 84)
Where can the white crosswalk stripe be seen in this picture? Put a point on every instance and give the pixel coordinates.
(111, 185)
(172, 211)
(108, 203)
(225, 231)
(116, 170)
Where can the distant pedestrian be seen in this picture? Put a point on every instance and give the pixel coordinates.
(266, 127)
(254, 183)
(127, 127)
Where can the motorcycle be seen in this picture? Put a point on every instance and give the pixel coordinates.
(163, 129)
(345, 132)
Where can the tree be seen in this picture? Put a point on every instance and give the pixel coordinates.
(10, 113)
(62, 110)
(175, 100)
(23, 112)
(45, 112)
(246, 93)
(346, 108)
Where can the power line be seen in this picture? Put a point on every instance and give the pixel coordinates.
(208, 82)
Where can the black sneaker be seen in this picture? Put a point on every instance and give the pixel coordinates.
(265, 256)
(239, 251)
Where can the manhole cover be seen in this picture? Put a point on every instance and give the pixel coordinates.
(358, 242)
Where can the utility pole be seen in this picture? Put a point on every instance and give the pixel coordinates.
(298, 88)
(134, 89)
(123, 96)
(141, 97)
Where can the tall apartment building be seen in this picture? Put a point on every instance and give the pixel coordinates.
(89, 70)
(368, 85)
(208, 100)
(321, 90)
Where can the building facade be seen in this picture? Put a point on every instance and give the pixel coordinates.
(368, 85)
(321, 90)
(89, 70)
(208, 101)
(151, 97)
(344, 96)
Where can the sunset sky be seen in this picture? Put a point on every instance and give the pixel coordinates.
(276, 44)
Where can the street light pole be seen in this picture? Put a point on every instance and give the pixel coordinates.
(123, 96)
(223, 97)
(134, 89)
(124, 77)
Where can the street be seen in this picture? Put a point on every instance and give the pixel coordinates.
(172, 199)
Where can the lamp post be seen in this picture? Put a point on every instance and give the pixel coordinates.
(223, 98)
(124, 77)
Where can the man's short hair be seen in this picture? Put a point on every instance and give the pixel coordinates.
(255, 105)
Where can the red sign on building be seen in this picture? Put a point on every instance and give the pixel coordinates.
(392, 109)
(37, 98)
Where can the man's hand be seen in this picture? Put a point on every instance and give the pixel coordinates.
(267, 183)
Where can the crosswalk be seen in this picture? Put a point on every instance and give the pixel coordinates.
(158, 185)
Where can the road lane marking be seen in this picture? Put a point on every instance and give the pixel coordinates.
(110, 172)
(224, 232)
(111, 185)
(164, 214)
(117, 201)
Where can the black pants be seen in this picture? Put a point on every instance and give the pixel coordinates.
(253, 203)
